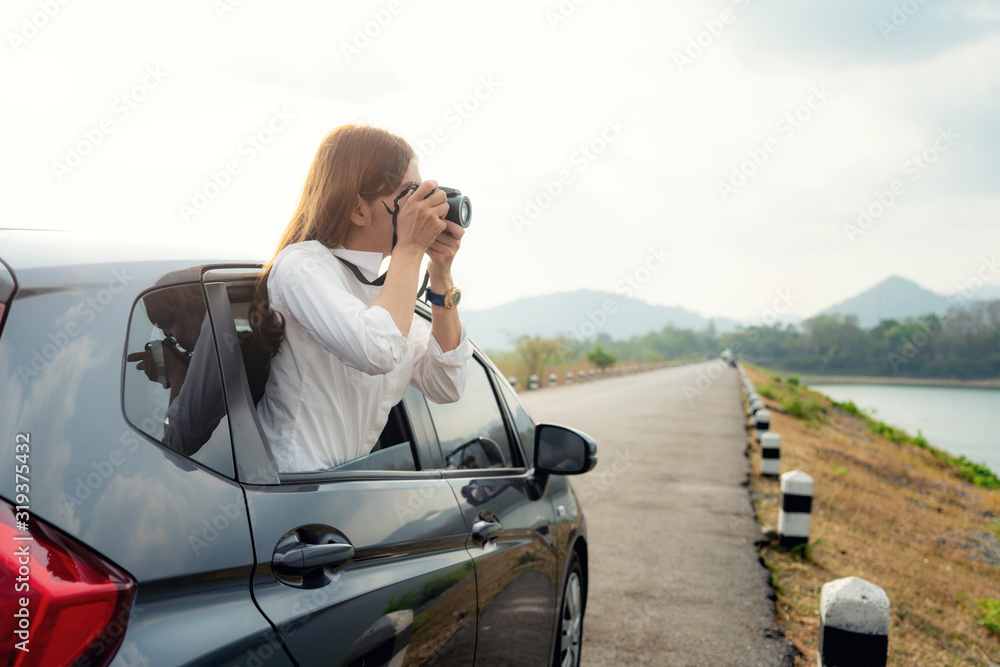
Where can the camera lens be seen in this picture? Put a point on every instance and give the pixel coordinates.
(459, 207)
(465, 212)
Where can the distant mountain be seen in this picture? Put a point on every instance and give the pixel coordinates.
(579, 315)
(898, 298)
(987, 293)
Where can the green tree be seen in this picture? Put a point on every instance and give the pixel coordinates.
(600, 358)
(536, 352)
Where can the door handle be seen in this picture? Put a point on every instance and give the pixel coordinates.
(309, 548)
(299, 557)
(486, 529)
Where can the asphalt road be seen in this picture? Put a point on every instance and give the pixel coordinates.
(675, 578)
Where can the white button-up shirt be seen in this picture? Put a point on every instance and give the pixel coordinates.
(343, 362)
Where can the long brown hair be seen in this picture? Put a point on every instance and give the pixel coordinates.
(351, 160)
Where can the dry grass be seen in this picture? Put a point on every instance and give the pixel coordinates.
(891, 514)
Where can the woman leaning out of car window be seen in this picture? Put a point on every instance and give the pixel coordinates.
(344, 344)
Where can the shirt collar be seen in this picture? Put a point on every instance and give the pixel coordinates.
(368, 262)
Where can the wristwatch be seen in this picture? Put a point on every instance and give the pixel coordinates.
(449, 299)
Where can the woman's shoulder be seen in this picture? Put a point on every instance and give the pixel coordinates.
(311, 247)
(304, 252)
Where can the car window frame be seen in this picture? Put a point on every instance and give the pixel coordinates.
(509, 414)
(125, 368)
(433, 445)
(254, 463)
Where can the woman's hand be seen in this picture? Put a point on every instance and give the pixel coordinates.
(421, 217)
(442, 254)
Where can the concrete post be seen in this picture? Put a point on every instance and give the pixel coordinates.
(770, 456)
(761, 422)
(796, 508)
(853, 624)
(583, 377)
(552, 380)
(569, 378)
(513, 382)
(533, 382)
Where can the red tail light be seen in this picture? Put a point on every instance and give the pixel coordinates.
(65, 604)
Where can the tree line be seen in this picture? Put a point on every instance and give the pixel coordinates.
(961, 343)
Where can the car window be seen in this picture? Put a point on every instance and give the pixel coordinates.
(471, 431)
(172, 389)
(394, 449)
(523, 423)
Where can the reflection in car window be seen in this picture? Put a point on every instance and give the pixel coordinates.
(173, 388)
(471, 431)
(523, 423)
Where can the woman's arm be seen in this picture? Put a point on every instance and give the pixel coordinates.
(445, 323)
(419, 223)
(310, 289)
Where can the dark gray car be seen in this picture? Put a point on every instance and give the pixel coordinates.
(144, 522)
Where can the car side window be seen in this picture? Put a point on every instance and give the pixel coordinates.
(393, 451)
(523, 423)
(471, 431)
(172, 389)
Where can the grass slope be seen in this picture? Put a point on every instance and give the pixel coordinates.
(892, 510)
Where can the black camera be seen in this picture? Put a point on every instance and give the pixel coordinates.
(459, 207)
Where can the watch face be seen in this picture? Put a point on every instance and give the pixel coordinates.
(454, 296)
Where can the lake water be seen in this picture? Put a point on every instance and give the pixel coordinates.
(960, 420)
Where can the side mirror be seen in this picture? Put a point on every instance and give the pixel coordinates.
(561, 450)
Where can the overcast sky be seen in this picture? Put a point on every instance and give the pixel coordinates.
(738, 137)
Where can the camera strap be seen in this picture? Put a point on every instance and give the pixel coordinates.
(378, 282)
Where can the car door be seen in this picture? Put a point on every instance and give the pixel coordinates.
(363, 565)
(510, 522)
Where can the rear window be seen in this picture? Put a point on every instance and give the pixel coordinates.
(173, 389)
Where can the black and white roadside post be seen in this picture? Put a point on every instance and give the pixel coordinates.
(533, 382)
(583, 377)
(513, 382)
(761, 422)
(853, 624)
(590, 376)
(552, 380)
(770, 454)
(796, 508)
(569, 378)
